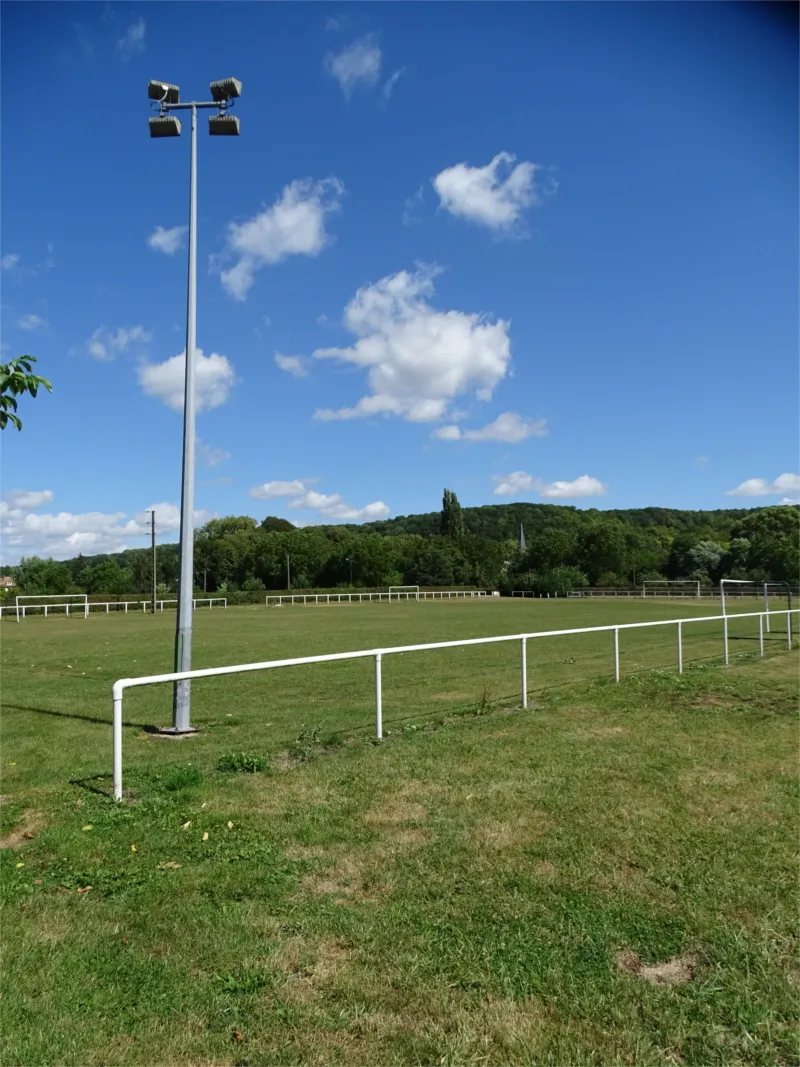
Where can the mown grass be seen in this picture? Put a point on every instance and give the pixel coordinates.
(460, 894)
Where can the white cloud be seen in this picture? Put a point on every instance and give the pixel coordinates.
(295, 365)
(293, 226)
(483, 195)
(328, 505)
(270, 490)
(418, 359)
(9, 261)
(391, 81)
(412, 206)
(214, 379)
(65, 534)
(508, 427)
(106, 344)
(167, 241)
(522, 482)
(358, 65)
(132, 41)
(582, 486)
(784, 483)
(211, 457)
(31, 322)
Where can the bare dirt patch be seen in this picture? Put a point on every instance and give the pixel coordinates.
(675, 971)
(31, 822)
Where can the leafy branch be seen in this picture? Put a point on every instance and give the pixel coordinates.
(16, 378)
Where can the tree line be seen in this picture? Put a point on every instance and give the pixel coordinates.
(564, 549)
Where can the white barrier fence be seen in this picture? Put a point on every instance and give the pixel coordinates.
(377, 654)
(675, 594)
(112, 605)
(355, 598)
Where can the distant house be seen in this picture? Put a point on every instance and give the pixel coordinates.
(6, 581)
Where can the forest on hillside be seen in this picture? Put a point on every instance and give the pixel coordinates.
(564, 548)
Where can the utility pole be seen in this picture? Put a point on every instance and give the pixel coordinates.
(153, 547)
(288, 573)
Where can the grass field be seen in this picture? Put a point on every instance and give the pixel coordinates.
(485, 887)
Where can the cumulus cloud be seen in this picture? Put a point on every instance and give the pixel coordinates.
(270, 490)
(294, 365)
(784, 483)
(9, 261)
(26, 531)
(211, 457)
(418, 359)
(508, 427)
(327, 505)
(495, 195)
(356, 66)
(214, 379)
(522, 482)
(132, 41)
(293, 226)
(105, 344)
(167, 241)
(31, 322)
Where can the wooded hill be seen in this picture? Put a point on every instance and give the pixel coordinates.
(565, 548)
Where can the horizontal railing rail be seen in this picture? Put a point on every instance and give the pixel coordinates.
(109, 605)
(347, 598)
(377, 654)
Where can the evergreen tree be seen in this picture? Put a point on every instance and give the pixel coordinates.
(452, 522)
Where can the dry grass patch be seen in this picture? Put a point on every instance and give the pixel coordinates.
(30, 822)
(675, 971)
(309, 968)
(348, 879)
(497, 835)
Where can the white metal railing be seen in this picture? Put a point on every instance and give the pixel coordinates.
(377, 654)
(110, 605)
(676, 594)
(347, 598)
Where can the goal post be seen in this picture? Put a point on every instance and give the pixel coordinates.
(407, 591)
(668, 587)
(61, 600)
(781, 589)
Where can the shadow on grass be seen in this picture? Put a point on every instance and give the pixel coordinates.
(81, 718)
(86, 783)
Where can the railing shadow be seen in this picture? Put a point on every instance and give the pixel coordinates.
(148, 728)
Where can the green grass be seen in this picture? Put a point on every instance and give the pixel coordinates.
(459, 894)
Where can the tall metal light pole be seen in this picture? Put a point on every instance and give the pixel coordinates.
(348, 560)
(154, 575)
(167, 97)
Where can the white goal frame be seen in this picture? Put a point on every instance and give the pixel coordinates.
(671, 581)
(51, 596)
(407, 589)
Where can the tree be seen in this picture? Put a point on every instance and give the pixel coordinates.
(273, 522)
(16, 378)
(452, 520)
(106, 577)
(773, 536)
(43, 576)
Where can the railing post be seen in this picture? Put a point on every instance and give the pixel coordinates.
(761, 634)
(524, 671)
(680, 648)
(788, 629)
(616, 654)
(725, 637)
(117, 745)
(378, 698)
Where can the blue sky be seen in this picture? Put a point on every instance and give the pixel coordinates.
(527, 251)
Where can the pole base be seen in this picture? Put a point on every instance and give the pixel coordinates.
(172, 731)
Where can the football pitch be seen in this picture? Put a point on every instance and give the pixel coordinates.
(605, 878)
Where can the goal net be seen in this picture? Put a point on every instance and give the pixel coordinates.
(671, 587)
(404, 592)
(59, 601)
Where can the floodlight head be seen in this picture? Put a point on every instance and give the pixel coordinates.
(223, 125)
(163, 92)
(164, 126)
(225, 89)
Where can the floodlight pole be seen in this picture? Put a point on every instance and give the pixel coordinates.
(181, 701)
(167, 97)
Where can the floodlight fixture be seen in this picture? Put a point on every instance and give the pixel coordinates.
(223, 125)
(163, 92)
(225, 89)
(164, 126)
